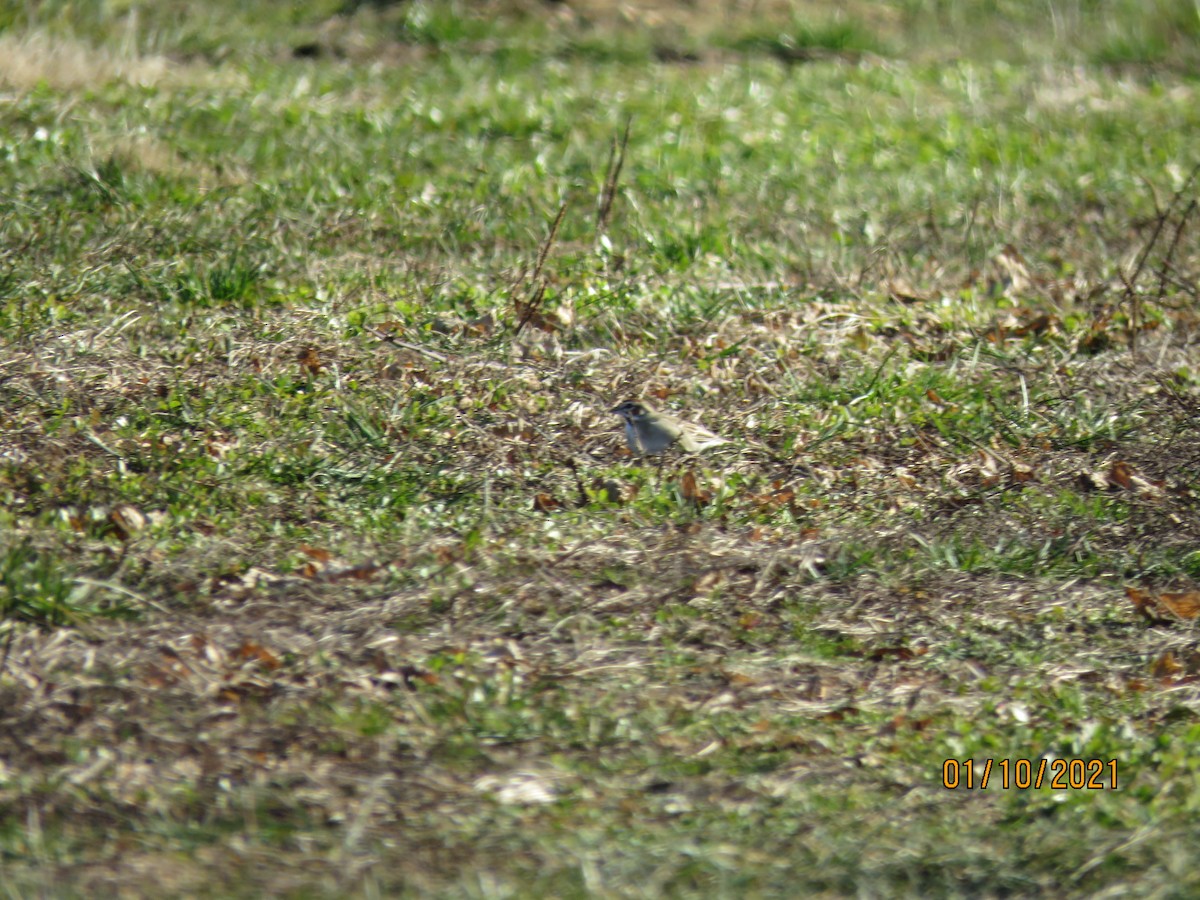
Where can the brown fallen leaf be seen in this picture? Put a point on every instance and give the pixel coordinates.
(1166, 607)
(362, 572)
(901, 289)
(1121, 473)
(1126, 477)
(1036, 324)
(777, 499)
(1120, 476)
(126, 521)
(837, 715)
(251, 650)
(1020, 474)
(1166, 666)
(691, 491)
(310, 361)
(1185, 605)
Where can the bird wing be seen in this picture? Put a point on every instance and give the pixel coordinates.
(697, 437)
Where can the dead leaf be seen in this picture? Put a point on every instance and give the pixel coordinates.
(775, 500)
(309, 361)
(251, 650)
(411, 675)
(448, 553)
(902, 290)
(1009, 274)
(1126, 477)
(691, 491)
(837, 715)
(218, 447)
(1122, 474)
(1167, 607)
(481, 325)
(361, 572)
(1185, 605)
(878, 654)
(708, 582)
(546, 503)
(1037, 325)
(1166, 666)
(126, 521)
(1021, 474)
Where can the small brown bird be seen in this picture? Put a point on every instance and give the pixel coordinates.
(648, 431)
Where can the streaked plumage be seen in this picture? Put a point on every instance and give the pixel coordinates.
(648, 431)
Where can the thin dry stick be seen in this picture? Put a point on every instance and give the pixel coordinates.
(526, 309)
(583, 497)
(1159, 225)
(966, 239)
(612, 175)
(1131, 282)
(1163, 217)
(415, 348)
(1166, 263)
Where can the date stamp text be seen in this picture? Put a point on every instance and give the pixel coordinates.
(1023, 774)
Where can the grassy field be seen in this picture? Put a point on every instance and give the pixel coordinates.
(326, 571)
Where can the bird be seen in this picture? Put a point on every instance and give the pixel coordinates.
(648, 431)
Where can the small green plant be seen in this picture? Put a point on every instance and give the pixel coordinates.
(38, 587)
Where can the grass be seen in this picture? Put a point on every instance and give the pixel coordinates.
(325, 571)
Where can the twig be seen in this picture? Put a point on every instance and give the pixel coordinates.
(612, 174)
(1160, 223)
(1166, 263)
(875, 378)
(415, 348)
(121, 589)
(583, 497)
(966, 239)
(526, 309)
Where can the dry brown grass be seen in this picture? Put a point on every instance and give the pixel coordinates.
(236, 697)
